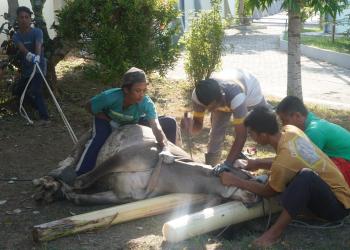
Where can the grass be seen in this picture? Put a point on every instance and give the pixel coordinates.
(340, 44)
(173, 98)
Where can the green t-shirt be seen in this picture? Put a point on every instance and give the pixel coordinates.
(111, 103)
(331, 138)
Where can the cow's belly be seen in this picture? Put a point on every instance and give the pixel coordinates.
(130, 185)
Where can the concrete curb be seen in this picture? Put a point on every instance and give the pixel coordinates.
(340, 59)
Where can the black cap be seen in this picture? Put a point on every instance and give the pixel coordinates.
(208, 91)
(133, 75)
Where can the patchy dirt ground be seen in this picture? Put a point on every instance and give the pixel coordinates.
(28, 152)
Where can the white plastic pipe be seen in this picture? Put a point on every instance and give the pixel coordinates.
(214, 218)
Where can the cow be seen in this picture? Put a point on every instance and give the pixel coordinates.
(129, 168)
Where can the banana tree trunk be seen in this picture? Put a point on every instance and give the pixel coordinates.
(294, 86)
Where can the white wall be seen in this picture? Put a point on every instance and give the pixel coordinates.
(343, 28)
(205, 5)
(48, 12)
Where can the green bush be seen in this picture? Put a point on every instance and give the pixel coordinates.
(122, 33)
(204, 44)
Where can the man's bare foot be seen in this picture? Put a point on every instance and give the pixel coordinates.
(266, 240)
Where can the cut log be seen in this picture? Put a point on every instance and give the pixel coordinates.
(114, 215)
(213, 218)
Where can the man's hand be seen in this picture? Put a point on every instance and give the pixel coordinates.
(240, 163)
(36, 59)
(167, 156)
(219, 168)
(30, 57)
(114, 125)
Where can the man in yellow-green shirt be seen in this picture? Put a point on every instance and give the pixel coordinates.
(304, 176)
(331, 138)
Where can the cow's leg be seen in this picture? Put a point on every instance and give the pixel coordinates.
(114, 163)
(97, 199)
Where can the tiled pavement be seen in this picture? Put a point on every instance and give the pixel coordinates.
(257, 49)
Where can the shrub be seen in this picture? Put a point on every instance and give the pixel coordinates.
(120, 34)
(204, 44)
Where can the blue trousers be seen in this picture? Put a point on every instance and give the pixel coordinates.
(308, 192)
(101, 129)
(34, 95)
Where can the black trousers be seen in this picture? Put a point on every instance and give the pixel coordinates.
(168, 125)
(308, 192)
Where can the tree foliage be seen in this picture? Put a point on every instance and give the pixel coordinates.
(123, 33)
(323, 6)
(204, 44)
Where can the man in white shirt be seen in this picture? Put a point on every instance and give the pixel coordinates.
(224, 98)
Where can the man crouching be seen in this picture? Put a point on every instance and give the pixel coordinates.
(304, 176)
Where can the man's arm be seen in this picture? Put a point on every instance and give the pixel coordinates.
(237, 146)
(38, 46)
(255, 164)
(158, 132)
(21, 48)
(100, 115)
(264, 190)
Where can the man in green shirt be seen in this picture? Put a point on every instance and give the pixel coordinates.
(117, 107)
(331, 138)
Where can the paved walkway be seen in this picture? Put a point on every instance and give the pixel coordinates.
(256, 49)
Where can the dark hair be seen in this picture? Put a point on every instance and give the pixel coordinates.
(132, 76)
(208, 91)
(23, 9)
(290, 105)
(262, 120)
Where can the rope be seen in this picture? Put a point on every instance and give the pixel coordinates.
(270, 213)
(14, 179)
(327, 225)
(22, 111)
(25, 115)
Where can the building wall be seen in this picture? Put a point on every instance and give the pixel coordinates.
(227, 7)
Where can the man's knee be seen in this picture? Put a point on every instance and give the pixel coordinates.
(169, 127)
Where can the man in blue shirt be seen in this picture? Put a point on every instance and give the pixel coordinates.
(29, 41)
(120, 106)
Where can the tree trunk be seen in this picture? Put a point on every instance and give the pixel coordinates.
(241, 11)
(38, 6)
(294, 86)
(321, 23)
(333, 28)
(55, 49)
(13, 5)
(104, 218)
